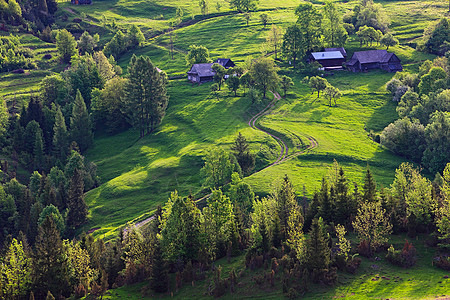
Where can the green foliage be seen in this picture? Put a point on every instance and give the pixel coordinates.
(274, 39)
(436, 37)
(286, 84)
(13, 55)
(144, 109)
(318, 83)
(135, 36)
(15, 272)
(372, 224)
(367, 35)
(54, 90)
(60, 136)
(343, 244)
(332, 93)
(218, 167)
(197, 55)
(264, 19)
(52, 212)
(370, 14)
(388, 40)
(317, 249)
(293, 44)
(204, 7)
(159, 280)
(80, 124)
(78, 210)
(66, 44)
(233, 84)
(3, 116)
(86, 44)
(310, 25)
(51, 263)
(437, 132)
(263, 73)
(334, 32)
(243, 5)
(242, 153)
(117, 46)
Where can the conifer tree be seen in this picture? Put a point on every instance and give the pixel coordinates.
(78, 209)
(146, 96)
(159, 280)
(242, 153)
(80, 124)
(317, 250)
(286, 204)
(51, 269)
(326, 206)
(60, 136)
(370, 187)
(38, 152)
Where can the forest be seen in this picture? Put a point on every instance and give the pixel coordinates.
(120, 179)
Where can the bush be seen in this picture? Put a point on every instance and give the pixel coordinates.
(442, 261)
(47, 56)
(405, 258)
(353, 265)
(364, 249)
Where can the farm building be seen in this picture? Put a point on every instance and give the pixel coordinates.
(330, 60)
(81, 2)
(340, 49)
(374, 59)
(200, 73)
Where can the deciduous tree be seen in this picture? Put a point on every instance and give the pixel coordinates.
(264, 74)
(66, 44)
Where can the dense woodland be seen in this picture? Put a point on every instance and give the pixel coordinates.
(289, 241)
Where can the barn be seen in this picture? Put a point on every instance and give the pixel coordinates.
(330, 60)
(364, 61)
(81, 2)
(200, 73)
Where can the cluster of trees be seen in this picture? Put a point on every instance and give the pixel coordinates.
(436, 38)
(367, 13)
(36, 14)
(13, 56)
(121, 42)
(320, 84)
(422, 132)
(314, 28)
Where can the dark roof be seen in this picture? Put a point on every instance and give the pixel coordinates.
(340, 49)
(327, 55)
(223, 61)
(371, 56)
(203, 70)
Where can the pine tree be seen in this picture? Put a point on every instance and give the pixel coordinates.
(60, 142)
(146, 96)
(317, 250)
(38, 152)
(286, 203)
(159, 281)
(80, 124)
(265, 242)
(370, 187)
(78, 210)
(51, 267)
(326, 207)
(242, 153)
(343, 202)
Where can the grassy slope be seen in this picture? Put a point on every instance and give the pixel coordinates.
(139, 174)
(423, 281)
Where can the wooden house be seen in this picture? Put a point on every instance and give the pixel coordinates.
(81, 2)
(330, 60)
(363, 61)
(340, 49)
(200, 73)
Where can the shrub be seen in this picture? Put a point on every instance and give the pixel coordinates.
(353, 264)
(442, 261)
(47, 56)
(364, 249)
(405, 258)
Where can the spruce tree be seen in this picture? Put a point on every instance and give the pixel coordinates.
(78, 210)
(326, 207)
(159, 280)
(38, 152)
(242, 153)
(286, 203)
(60, 142)
(317, 249)
(80, 124)
(343, 203)
(370, 187)
(51, 266)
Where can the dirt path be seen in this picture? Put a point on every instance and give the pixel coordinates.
(282, 157)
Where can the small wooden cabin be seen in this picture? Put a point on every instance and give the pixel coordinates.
(364, 61)
(200, 73)
(331, 60)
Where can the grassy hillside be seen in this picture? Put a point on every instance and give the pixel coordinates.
(375, 279)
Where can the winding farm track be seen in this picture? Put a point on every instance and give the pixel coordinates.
(282, 157)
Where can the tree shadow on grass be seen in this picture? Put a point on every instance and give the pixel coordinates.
(382, 117)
